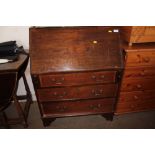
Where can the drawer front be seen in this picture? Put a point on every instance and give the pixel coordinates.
(78, 107)
(138, 34)
(135, 106)
(142, 34)
(77, 78)
(138, 85)
(135, 59)
(82, 92)
(136, 96)
(144, 72)
(125, 108)
(143, 30)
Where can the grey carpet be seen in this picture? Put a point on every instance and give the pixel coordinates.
(142, 120)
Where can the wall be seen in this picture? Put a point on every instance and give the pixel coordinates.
(21, 35)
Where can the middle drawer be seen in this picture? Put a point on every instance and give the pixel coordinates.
(139, 84)
(78, 92)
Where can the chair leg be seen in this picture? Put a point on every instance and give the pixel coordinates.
(23, 112)
(5, 120)
(20, 112)
(29, 97)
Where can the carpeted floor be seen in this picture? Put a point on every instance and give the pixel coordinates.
(142, 120)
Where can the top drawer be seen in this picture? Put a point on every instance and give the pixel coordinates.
(145, 58)
(69, 79)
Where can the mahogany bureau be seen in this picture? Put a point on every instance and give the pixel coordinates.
(75, 70)
(138, 82)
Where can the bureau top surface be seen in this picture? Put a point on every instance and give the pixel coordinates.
(68, 49)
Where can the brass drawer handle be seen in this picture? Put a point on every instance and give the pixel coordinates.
(135, 97)
(139, 86)
(102, 76)
(146, 59)
(93, 77)
(60, 81)
(95, 107)
(53, 79)
(56, 94)
(99, 79)
(142, 73)
(62, 95)
(97, 92)
(61, 108)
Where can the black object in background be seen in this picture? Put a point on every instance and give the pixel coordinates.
(8, 48)
(8, 43)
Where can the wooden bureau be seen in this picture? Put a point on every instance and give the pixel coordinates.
(75, 70)
(138, 83)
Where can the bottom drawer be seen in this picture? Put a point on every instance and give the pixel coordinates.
(73, 108)
(135, 106)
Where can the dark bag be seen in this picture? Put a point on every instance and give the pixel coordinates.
(8, 49)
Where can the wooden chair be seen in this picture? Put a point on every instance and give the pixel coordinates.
(22, 112)
(22, 107)
(8, 83)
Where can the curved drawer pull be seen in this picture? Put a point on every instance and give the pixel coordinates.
(62, 95)
(93, 77)
(60, 81)
(142, 73)
(135, 97)
(97, 92)
(56, 94)
(95, 107)
(102, 76)
(98, 79)
(61, 108)
(139, 86)
(53, 79)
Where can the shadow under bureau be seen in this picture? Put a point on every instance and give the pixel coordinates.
(75, 70)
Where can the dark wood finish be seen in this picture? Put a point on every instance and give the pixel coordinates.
(82, 107)
(73, 49)
(4, 120)
(73, 93)
(18, 67)
(75, 70)
(8, 82)
(138, 34)
(71, 79)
